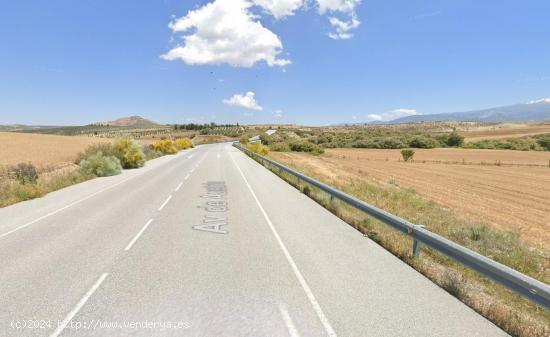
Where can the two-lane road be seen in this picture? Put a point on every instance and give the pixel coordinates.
(206, 243)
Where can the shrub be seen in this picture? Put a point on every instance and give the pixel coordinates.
(424, 143)
(184, 143)
(455, 139)
(100, 165)
(243, 139)
(150, 153)
(280, 147)
(407, 154)
(544, 141)
(258, 148)
(129, 152)
(265, 139)
(306, 146)
(165, 146)
(107, 149)
(25, 173)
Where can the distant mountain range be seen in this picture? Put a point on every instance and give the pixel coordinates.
(137, 121)
(538, 110)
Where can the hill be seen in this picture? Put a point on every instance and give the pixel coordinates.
(538, 110)
(137, 121)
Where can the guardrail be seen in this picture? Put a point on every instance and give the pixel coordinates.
(522, 284)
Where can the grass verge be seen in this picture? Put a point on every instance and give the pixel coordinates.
(514, 314)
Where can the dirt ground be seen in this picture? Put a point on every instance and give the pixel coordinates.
(42, 150)
(506, 130)
(514, 197)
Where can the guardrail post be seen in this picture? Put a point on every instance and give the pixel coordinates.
(417, 245)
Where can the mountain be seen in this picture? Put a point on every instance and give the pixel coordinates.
(537, 110)
(21, 127)
(129, 121)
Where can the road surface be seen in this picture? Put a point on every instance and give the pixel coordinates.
(207, 243)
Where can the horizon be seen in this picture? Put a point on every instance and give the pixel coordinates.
(320, 64)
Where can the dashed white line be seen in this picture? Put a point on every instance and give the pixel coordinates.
(164, 203)
(187, 177)
(138, 235)
(218, 155)
(288, 322)
(78, 306)
(316, 306)
(191, 156)
(179, 186)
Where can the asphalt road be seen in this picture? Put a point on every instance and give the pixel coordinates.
(207, 243)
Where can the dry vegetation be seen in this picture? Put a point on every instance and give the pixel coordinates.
(516, 315)
(42, 150)
(501, 188)
(504, 130)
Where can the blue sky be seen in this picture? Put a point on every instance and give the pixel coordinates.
(77, 62)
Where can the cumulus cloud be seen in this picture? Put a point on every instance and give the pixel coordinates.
(278, 113)
(225, 31)
(246, 101)
(391, 115)
(347, 21)
(280, 8)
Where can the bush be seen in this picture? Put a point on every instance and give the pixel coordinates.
(25, 173)
(424, 143)
(306, 146)
(265, 139)
(407, 154)
(165, 146)
(100, 165)
(454, 139)
(184, 143)
(258, 148)
(243, 139)
(129, 152)
(544, 141)
(107, 149)
(280, 147)
(150, 153)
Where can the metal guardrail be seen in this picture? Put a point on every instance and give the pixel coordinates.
(522, 284)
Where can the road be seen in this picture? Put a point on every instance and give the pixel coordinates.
(207, 243)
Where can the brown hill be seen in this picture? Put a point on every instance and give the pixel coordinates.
(129, 121)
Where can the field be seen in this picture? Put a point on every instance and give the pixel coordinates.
(504, 130)
(505, 189)
(42, 150)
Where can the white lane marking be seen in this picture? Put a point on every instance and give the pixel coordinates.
(218, 155)
(187, 177)
(193, 169)
(179, 186)
(288, 322)
(164, 204)
(73, 203)
(191, 156)
(78, 306)
(320, 314)
(138, 235)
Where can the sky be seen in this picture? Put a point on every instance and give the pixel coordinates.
(312, 62)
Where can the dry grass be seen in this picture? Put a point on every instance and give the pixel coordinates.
(516, 315)
(505, 130)
(42, 150)
(484, 189)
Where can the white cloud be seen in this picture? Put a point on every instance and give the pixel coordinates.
(246, 101)
(225, 31)
(278, 113)
(342, 26)
(391, 115)
(280, 8)
(542, 100)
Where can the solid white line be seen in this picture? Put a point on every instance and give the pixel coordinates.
(288, 322)
(320, 314)
(78, 306)
(138, 235)
(179, 186)
(64, 208)
(187, 177)
(164, 204)
(71, 204)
